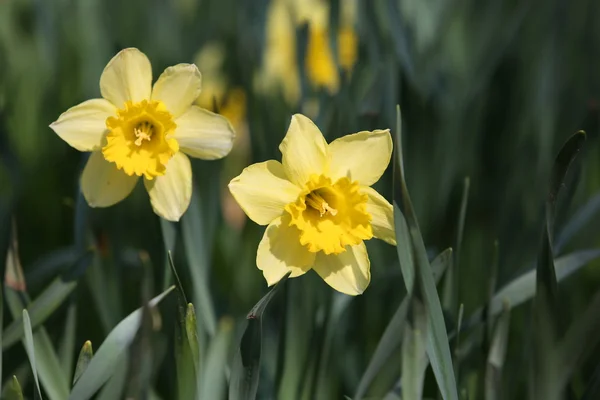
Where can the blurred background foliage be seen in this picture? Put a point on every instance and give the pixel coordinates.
(488, 90)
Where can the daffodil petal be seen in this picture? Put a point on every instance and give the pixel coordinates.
(280, 252)
(128, 76)
(362, 156)
(203, 134)
(103, 184)
(262, 190)
(304, 150)
(83, 126)
(347, 272)
(178, 87)
(382, 214)
(170, 194)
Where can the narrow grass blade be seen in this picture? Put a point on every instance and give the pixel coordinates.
(50, 373)
(141, 352)
(459, 320)
(414, 354)
(85, 356)
(488, 320)
(297, 327)
(195, 240)
(13, 390)
(452, 279)
(496, 357)
(246, 364)
(438, 348)
(546, 317)
(187, 343)
(191, 327)
(392, 336)
(186, 375)
(214, 383)
(102, 366)
(522, 289)
(180, 291)
(325, 373)
(39, 309)
(108, 309)
(169, 234)
(30, 348)
(66, 348)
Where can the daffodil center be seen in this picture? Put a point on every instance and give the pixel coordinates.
(318, 203)
(143, 131)
(331, 215)
(139, 139)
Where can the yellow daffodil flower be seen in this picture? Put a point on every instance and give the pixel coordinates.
(137, 129)
(318, 205)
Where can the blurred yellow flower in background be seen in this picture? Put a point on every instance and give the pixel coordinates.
(318, 205)
(230, 102)
(320, 63)
(280, 66)
(137, 129)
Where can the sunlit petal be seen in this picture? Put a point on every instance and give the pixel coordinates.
(170, 194)
(203, 134)
(349, 155)
(280, 252)
(262, 190)
(103, 184)
(128, 76)
(84, 126)
(347, 272)
(382, 214)
(304, 150)
(178, 87)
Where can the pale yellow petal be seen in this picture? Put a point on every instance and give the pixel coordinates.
(382, 214)
(203, 134)
(280, 252)
(304, 150)
(83, 126)
(102, 184)
(362, 156)
(178, 87)
(128, 76)
(348, 272)
(262, 190)
(170, 194)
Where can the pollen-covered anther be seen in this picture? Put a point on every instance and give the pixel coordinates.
(316, 201)
(143, 131)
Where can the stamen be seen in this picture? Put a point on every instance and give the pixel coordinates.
(318, 203)
(143, 131)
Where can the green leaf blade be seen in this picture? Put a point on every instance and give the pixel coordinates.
(245, 372)
(423, 283)
(102, 365)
